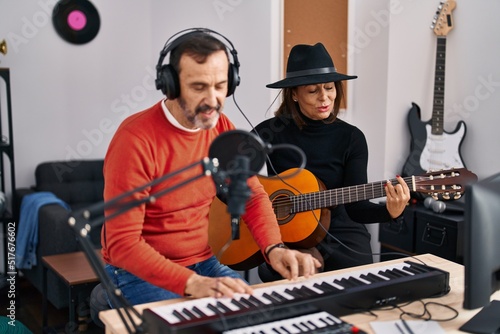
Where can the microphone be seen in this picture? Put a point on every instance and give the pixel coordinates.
(440, 206)
(230, 144)
(434, 205)
(240, 154)
(238, 193)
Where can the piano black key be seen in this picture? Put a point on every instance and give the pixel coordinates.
(294, 293)
(328, 321)
(255, 301)
(413, 269)
(311, 325)
(418, 268)
(223, 307)
(326, 287)
(344, 283)
(356, 281)
(371, 278)
(320, 287)
(401, 272)
(332, 319)
(179, 315)
(302, 292)
(199, 312)
(190, 314)
(247, 302)
(308, 291)
(239, 304)
(387, 274)
(283, 330)
(214, 308)
(278, 296)
(271, 298)
(300, 327)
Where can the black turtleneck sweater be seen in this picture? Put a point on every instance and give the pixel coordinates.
(337, 154)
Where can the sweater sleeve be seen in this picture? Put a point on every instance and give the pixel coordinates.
(128, 166)
(355, 174)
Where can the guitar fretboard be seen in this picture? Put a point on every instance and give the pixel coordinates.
(332, 197)
(447, 183)
(438, 105)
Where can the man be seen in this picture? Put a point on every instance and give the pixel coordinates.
(160, 250)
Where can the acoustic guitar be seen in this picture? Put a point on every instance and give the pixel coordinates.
(431, 147)
(301, 205)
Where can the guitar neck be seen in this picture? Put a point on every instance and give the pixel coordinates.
(333, 197)
(438, 105)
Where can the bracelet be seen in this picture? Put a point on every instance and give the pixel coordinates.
(280, 245)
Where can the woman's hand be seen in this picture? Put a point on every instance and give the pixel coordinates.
(397, 197)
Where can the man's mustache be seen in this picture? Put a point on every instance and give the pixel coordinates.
(206, 107)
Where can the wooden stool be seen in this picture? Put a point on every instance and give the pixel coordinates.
(75, 270)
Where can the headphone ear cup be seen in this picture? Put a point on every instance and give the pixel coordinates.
(168, 82)
(233, 79)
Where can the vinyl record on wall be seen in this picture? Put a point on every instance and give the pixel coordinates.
(76, 21)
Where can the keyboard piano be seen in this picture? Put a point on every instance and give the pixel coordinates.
(337, 294)
(317, 323)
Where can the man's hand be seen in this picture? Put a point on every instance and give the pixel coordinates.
(316, 254)
(291, 263)
(200, 286)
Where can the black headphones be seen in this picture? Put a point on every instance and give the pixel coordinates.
(167, 78)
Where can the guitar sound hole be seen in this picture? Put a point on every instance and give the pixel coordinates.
(283, 205)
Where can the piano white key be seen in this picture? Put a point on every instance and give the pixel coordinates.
(258, 296)
(167, 311)
(289, 324)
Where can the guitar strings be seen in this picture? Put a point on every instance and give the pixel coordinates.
(347, 195)
(353, 194)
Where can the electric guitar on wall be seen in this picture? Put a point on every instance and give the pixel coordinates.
(301, 207)
(431, 147)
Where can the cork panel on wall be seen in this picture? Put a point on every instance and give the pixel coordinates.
(313, 21)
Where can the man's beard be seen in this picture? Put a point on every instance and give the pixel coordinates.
(195, 120)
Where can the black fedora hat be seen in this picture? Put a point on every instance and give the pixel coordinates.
(309, 65)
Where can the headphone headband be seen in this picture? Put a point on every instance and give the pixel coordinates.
(167, 79)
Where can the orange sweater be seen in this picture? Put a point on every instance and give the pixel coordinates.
(155, 241)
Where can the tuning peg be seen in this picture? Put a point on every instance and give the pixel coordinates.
(3, 47)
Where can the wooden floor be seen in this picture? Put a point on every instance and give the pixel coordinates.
(29, 311)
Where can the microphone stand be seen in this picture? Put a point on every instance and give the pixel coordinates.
(238, 193)
(82, 222)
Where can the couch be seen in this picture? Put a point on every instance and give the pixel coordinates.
(79, 183)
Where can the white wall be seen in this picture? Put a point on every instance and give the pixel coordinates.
(393, 51)
(68, 99)
(396, 51)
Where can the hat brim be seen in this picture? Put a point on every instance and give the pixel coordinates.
(310, 80)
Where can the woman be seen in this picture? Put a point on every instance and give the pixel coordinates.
(337, 154)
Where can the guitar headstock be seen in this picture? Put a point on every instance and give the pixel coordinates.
(443, 21)
(445, 184)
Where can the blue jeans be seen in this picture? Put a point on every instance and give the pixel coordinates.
(138, 291)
